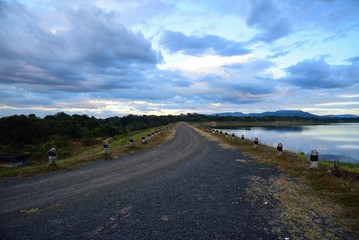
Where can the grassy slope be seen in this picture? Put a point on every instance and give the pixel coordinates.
(119, 145)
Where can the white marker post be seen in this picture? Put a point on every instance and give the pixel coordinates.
(255, 145)
(106, 148)
(279, 149)
(52, 157)
(314, 157)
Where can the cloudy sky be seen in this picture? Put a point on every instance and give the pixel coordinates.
(117, 57)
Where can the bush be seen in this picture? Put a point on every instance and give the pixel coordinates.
(88, 141)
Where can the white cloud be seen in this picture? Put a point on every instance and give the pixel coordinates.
(349, 96)
(338, 104)
(216, 105)
(209, 64)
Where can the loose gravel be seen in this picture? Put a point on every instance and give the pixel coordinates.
(188, 188)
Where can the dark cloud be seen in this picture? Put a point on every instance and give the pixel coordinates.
(90, 48)
(267, 18)
(194, 45)
(318, 74)
(97, 37)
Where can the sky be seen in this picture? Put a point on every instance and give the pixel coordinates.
(107, 58)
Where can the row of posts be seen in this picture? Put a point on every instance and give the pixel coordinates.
(52, 153)
(314, 155)
(144, 139)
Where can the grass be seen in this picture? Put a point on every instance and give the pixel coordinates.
(350, 167)
(119, 146)
(339, 184)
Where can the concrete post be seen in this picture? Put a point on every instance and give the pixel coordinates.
(255, 143)
(314, 157)
(106, 148)
(52, 157)
(279, 149)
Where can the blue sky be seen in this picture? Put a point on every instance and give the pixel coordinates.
(107, 58)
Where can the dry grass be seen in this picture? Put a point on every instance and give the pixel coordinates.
(302, 215)
(333, 191)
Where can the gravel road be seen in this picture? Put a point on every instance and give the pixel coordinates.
(188, 188)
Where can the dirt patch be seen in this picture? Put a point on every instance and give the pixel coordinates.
(171, 132)
(241, 160)
(29, 211)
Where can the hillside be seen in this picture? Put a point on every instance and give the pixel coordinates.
(282, 113)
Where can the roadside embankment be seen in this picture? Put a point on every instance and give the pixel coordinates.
(330, 190)
(118, 146)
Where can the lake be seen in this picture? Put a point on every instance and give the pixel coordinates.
(339, 141)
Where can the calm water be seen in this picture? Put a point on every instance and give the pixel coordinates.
(333, 141)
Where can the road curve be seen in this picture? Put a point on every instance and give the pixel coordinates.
(188, 188)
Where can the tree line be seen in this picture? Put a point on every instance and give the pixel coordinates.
(30, 129)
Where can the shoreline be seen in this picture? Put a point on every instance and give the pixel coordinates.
(335, 141)
(274, 124)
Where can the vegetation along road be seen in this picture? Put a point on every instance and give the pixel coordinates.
(190, 187)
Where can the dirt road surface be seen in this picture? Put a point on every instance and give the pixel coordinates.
(188, 188)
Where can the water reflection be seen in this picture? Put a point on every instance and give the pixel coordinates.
(276, 129)
(333, 141)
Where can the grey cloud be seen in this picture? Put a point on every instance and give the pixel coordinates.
(99, 38)
(194, 45)
(151, 84)
(236, 89)
(254, 66)
(247, 82)
(93, 42)
(20, 98)
(255, 87)
(266, 17)
(173, 78)
(284, 49)
(279, 54)
(318, 74)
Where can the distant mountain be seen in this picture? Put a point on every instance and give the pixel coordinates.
(283, 113)
(340, 116)
(230, 114)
